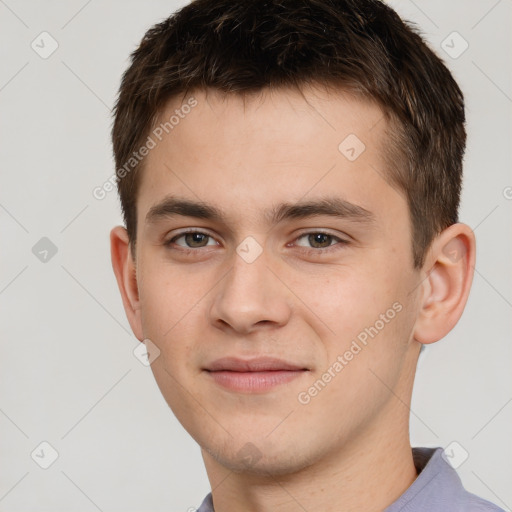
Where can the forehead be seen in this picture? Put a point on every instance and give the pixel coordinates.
(250, 153)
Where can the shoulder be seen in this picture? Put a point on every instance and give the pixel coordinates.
(474, 503)
(207, 504)
(438, 488)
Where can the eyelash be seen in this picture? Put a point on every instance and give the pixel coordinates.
(336, 246)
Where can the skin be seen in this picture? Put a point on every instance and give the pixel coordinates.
(303, 301)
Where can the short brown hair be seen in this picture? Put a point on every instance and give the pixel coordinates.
(357, 46)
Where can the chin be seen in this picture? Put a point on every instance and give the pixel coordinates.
(265, 459)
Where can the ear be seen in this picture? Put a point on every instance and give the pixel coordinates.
(126, 275)
(449, 269)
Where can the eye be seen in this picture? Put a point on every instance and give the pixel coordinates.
(313, 241)
(318, 240)
(192, 240)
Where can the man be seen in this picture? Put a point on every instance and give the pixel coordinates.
(290, 173)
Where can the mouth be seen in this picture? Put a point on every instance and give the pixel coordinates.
(253, 375)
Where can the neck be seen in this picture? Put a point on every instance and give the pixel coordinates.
(369, 473)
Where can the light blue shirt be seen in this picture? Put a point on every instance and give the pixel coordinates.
(437, 488)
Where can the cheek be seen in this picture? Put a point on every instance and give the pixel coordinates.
(168, 314)
(167, 298)
(173, 317)
(346, 302)
(365, 359)
(364, 317)
(158, 312)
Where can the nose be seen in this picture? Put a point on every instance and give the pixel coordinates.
(250, 298)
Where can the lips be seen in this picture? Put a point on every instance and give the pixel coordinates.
(253, 375)
(261, 364)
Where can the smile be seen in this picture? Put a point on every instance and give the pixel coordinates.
(254, 375)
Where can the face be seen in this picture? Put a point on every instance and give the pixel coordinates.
(274, 272)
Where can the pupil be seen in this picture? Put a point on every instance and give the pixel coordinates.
(195, 239)
(319, 238)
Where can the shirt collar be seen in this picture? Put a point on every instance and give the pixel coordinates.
(437, 487)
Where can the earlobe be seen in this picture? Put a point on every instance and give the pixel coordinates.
(125, 272)
(449, 270)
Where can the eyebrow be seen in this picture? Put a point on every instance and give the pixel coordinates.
(172, 206)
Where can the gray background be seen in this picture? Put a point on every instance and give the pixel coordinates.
(68, 374)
